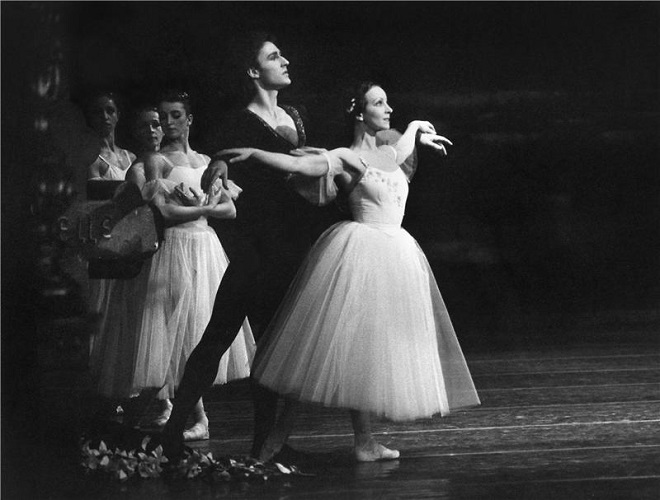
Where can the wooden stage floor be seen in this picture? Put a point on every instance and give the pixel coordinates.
(577, 419)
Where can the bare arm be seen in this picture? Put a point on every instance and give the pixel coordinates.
(344, 165)
(94, 170)
(406, 143)
(427, 137)
(342, 161)
(225, 208)
(135, 174)
(313, 165)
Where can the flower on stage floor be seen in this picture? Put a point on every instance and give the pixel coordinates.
(147, 464)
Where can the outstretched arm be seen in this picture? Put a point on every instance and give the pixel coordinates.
(344, 164)
(312, 165)
(406, 143)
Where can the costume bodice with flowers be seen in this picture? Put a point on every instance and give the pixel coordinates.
(380, 196)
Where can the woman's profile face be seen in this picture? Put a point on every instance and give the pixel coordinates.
(271, 68)
(377, 111)
(148, 130)
(103, 116)
(174, 119)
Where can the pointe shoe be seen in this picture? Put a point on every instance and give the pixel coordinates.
(372, 452)
(198, 432)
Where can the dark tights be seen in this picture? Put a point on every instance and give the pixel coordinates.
(235, 296)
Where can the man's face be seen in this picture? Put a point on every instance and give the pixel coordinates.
(271, 70)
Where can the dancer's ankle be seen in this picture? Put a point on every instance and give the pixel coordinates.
(271, 447)
(363, 440)
(198, 432)
(201, 417)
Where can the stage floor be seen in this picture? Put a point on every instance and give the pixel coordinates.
(571, 419)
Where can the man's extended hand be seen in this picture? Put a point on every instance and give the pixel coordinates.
(217, 169)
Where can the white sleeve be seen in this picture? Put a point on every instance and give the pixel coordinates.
(318, 191)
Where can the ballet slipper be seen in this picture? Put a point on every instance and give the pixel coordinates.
(198, 432)
(373, 451)
(271, 447)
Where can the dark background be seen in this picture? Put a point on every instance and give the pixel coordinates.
(544, 213)
(547, 203)
(546, 206)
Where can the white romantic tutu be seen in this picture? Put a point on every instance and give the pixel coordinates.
(185, 275)
(113, 348)
(364, 326)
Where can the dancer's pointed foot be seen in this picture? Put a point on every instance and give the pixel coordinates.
(198, 432)
(373, 451)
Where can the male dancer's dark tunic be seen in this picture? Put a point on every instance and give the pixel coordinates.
(273, 223)
(266, 244)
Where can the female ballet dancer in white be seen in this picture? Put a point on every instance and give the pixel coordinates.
(363, 325)
(113, 347)
(112, 162)
(186, 271)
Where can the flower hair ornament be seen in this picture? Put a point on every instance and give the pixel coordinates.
(351, 106)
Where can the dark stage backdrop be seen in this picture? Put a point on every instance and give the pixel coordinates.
(547, 204)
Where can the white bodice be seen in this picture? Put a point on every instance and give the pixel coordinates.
(380, 196)
(116, 172)
(191, 177)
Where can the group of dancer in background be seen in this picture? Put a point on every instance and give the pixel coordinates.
(150, 324)
(351, 319)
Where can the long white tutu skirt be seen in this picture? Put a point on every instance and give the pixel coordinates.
(185, 275)
(113, 348)
(363, 326)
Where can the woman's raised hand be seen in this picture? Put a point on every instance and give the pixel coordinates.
(424, 127)
(435, 141)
